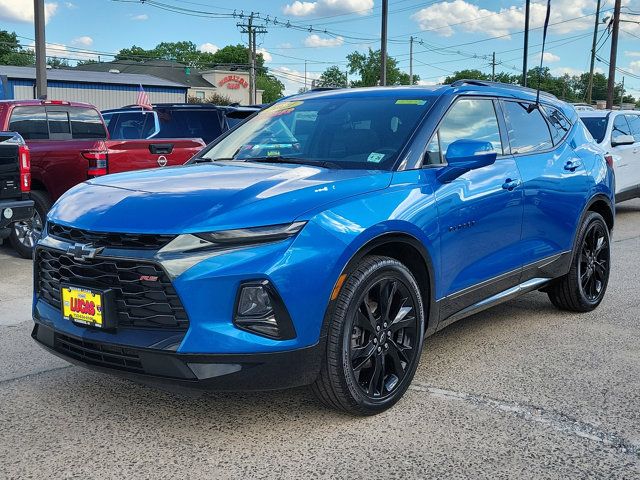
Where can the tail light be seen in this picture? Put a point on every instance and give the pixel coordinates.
(25, 168)
(609, 159)
(97, 161)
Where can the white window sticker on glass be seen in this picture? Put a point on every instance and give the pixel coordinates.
(375, 157)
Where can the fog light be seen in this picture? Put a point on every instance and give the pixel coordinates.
(260, 309)
(7, 213)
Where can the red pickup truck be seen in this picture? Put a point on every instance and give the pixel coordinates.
(69, 143)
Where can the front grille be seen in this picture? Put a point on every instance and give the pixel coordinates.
(99, 354)
(141, 241)
(139, 303)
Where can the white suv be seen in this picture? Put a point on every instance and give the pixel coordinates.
(618, 132)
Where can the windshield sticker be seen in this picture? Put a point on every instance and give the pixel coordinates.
(262, 146)
(273, 153)
(410, 102)
(375, 157)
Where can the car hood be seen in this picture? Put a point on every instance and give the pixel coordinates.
(208, 197)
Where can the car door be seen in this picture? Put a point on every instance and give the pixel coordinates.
(554, 180)
(623, 154)
(480, 212)
(634, 156)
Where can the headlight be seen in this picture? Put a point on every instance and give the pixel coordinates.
(259, 309)
(247, 236)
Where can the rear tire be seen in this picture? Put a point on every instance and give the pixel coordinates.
(24, 235)
(583, 288)
(374, 338)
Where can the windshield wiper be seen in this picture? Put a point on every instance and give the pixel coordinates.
(206, 160)
(295, 161)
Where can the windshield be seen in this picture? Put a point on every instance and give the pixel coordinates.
(358, 132)
(597, 127)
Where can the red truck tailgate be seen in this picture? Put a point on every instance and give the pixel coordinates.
(126, 155)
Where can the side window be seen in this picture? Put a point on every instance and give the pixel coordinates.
(59, 128)
(110, 120)
(528, 131)
(620, 127)
(634, 125)
(30, 122)
(86, 123)
(469, 118)
(558, 123)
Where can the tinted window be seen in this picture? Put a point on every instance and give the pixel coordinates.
(470, 119)
(634, 125)
(528, 131)
(558, 123)
(359, 131)
(110, 120)
(58, 124)
(189, 123)
(597, 127)
(620, 127)
(30, 122)
(86, 123)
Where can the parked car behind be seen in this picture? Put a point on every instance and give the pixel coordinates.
(69, 144)
(15, 182)
(618, 132)
(174, 120)
(320, 241)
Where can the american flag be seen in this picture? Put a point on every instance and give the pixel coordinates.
(143, 98)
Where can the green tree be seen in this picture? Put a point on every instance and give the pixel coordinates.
(135, 53)
(332, 77)
(466, 75)
(55, 62)
(12, 53)
(368, 67)
(272, 87)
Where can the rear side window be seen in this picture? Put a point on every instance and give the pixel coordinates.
(86, 123)
(597, 127)
(189, 123)
(59, 127)
(130, 125)
(620, 127)
(528, 131)
(558, 123)
(30, 122)
(470, 119)
(634, 125)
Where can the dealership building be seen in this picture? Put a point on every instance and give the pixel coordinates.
(116, 84)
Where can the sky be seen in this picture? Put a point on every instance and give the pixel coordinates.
(449, 35)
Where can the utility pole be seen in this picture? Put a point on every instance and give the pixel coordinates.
(305, 75)
(410, 60)
(526, 43)
(250, 29)
(383, 43)
(593, 54)
(622, 93)
(493, 67)
(614, 52)
(254, 86)
(41, 50)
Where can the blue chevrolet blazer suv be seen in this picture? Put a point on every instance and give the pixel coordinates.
(320, 242)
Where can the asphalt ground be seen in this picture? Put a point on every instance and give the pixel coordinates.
(518, 391)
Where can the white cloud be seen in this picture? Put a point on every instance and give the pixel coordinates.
(285, 45)
(629, 53)
(209, 47)
(635, 66)
(549, 57)
(328, 7)
(293, 80)
(22, 10)
(140, 18)
(317, 41)
(266, 55)
(447, 17)
(70, 5)
(561, 71)
(61, 51)
(84, 41)
(430, 83)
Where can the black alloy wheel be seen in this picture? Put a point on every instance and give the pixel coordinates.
(374, 339)
(593, 267)
(384, 334)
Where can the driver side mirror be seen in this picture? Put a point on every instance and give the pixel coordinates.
(623, 140)
(465, 155)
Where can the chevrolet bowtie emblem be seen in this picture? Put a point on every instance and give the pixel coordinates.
(82, 252)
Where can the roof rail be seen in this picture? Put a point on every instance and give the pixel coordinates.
(487, 83)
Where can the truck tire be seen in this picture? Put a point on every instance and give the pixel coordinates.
(24, 235)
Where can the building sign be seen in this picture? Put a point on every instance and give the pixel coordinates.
(233, 82)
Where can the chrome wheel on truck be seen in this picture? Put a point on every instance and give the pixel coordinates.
(25, 235)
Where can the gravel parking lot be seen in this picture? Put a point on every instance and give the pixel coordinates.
(521, 390)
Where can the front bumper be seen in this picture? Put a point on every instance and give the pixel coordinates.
(232, 372)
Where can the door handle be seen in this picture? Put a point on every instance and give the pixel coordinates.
(572, 165)
(510, 184)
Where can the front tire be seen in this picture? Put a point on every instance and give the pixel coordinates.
(24, 235)
(583, 288)
(374, 338)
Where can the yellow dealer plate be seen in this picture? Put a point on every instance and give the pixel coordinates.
(81, 305)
